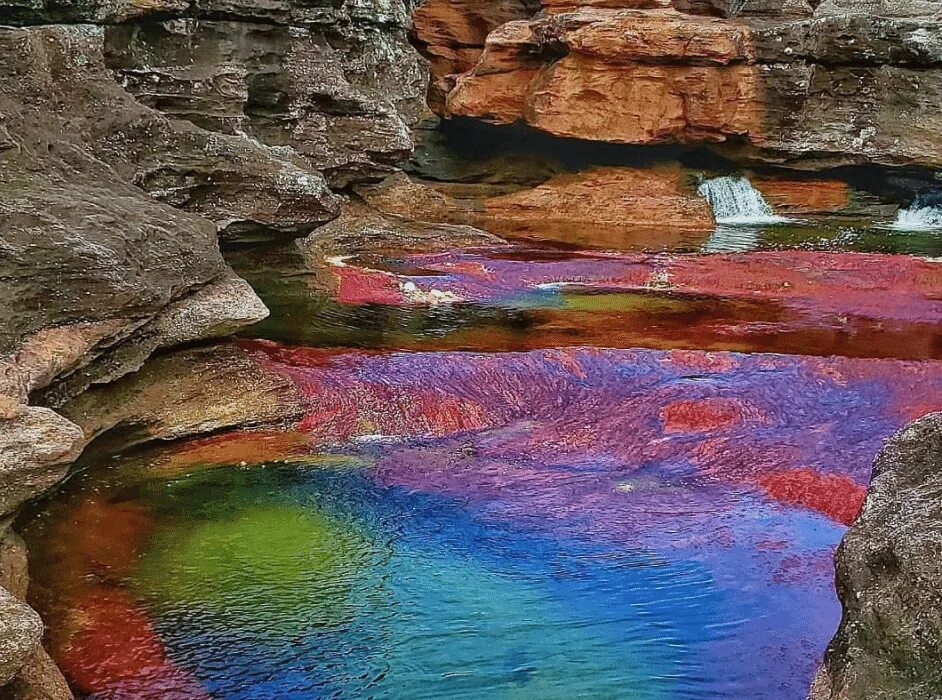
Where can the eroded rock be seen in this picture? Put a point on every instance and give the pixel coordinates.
(340, 99)
(842, 86)
(888, 568)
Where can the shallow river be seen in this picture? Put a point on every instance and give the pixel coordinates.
(523, 472)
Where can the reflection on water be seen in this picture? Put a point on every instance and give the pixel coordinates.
(519, 311)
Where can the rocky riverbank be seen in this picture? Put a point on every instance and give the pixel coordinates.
(134, 136)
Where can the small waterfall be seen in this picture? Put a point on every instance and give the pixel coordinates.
(919, 217)
(736, 201)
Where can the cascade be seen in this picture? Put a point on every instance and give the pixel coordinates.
(735, 201)
(921, 216)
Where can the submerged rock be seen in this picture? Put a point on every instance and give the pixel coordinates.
(888, 569)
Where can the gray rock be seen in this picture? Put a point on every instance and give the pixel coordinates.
(344, 98)
(889, 569)
(36, 447)
(20, 634)
(101, 273)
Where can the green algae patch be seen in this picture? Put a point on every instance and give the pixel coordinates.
(271, 567)
(589, 300)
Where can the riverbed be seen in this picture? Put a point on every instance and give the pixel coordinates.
(523, 471)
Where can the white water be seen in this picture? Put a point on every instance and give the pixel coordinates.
(918, 218)
(735, 201)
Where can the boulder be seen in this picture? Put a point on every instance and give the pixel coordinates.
(20, 634)
(888, 570)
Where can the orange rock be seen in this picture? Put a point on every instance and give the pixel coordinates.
(620, 208)
(451, 35)
(586, 98)
(605, 203)
(804, 196)
(624, 76)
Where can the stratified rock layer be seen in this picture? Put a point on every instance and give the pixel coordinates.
(888, 571)
(844, 85)
(133, 135)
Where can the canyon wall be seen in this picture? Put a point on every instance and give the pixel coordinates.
(133, 136)
(811, 85)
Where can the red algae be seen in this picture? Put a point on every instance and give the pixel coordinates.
(835, 495)
(876, 285)
(700, 415)
(99, 636)
(118, 652)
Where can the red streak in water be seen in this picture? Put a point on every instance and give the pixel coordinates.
(837, 496)
(700, 414)
(363, 285)
(118, 653)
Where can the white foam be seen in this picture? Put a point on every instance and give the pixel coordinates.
(735, 201)
(918, 218)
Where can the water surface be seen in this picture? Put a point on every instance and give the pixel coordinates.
(522, 472)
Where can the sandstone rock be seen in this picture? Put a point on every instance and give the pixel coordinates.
(605, 78)
(599, 207)
(36, 447)
(20, 633)
(341, 101)
(14, 571)
(451, 35)
(187, 392)
(38, 679)
(362, 228)
(836, 88)
(603, 202)
(804, 196)
(888, 569)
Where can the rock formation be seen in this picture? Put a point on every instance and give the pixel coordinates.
(890, 640)
(776, 81)
(133, 136)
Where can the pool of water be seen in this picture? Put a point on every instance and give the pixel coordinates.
(522, 472)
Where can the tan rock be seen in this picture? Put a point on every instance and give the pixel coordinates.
(623, 208)
(36, 447)
(603, 206)
(804, 196)
(39, 679)
(20, 633)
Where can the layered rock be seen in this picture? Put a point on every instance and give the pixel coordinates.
(243, 186)
(841, 86)
(451, 35)
(132, 136)
(888, 568)
(341, 98)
